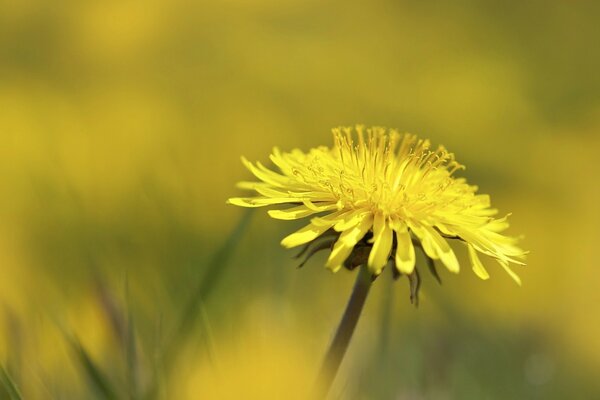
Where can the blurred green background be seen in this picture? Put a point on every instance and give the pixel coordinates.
(123, 272)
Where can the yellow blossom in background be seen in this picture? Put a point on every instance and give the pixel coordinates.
(122, 124)
(261, 360)
(382, 193)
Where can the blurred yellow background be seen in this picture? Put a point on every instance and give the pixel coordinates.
(121, 126)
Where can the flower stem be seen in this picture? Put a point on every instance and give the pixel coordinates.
(341, 340)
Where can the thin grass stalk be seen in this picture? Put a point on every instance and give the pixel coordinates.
(9, 385)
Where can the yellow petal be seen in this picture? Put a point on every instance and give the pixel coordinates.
(346, 242)
(319, 207)
(259, 201)
(382, 244)
(478, 268)
(446, 230)
(304, 235)
(330, 219)
(338, 255)
(510, 272)
(483, 200)
(354, 235)
(491, 244)
(426, 241)
(350, 220)
(443, 249)
(265, 175)
(291, 213)
(280, 162)
(405, 251)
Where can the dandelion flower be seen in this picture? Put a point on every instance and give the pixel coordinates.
(375, 196)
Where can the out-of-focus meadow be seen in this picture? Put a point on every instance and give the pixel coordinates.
(123, 272)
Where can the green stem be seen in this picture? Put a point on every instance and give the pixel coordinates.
(339, 345)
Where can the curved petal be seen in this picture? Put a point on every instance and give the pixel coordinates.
(346, 242)
(265, 174)
(509, 271)
(405, 251)
(443, 249)
(382, 244)
(478, 268)
(350, 220)
(482, 243)
(320, 206)
(253, 202)
(425, 240)
(291, 213)
(277, 159)
(331, 219)
(297, 212)
(305, 235)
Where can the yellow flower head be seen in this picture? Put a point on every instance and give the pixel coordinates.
(374, 196)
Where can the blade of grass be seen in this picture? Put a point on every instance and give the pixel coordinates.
(131, 350)
(111, 308)
(132, 360)
(191, 311)
(95, 376)
(120, 319)
(211, 347)
(157, 387)
(9, 385)
(205, 286)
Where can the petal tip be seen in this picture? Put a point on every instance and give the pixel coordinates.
(333, 268)
(287, 243)
(236, 201)
(272, 213)
(482, 277)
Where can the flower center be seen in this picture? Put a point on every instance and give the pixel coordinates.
(386, 172)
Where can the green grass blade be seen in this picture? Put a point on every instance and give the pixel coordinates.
(192, 311)
(93, 373)
(9, 385)
(131, 355)
(209, 337)
(206, 285)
